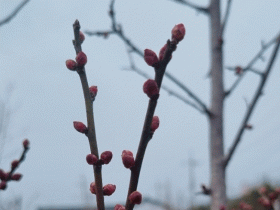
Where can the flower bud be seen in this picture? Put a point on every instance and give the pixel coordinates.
(109, 189)
(3, 175)
(264, 202)
(71, 65)
(178, 32)
(80, 127)
(81, 59)
(3, 185)
(92, 188)
(16, 177)
(150, 57)
(162, 51)
(81, 36)
(127, 159)
(119, 207)
(135, 197)
(25, 143)
(14, 164)
(238, 70)
(106, 157)
(93, 91)
(150, 88)
(91, 159)
(155, 123)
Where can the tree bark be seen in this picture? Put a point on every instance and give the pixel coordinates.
(218, 185)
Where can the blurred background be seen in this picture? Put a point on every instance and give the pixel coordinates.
(40, 98)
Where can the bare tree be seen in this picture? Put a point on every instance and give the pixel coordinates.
(219, 160)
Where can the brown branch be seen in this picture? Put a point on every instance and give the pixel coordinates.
(116, 29)
(251, 63)
(14, 13)
(224, 23)
(146, 132)
(193, 6)
(90, 120)
(252, 105)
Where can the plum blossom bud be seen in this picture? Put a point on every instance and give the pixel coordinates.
(2, 175)
(92, 188)
(15, 163)
(127, 159)
(93, 91)
(16, 177)
(3, 185)
(238, 70)
(25, 143)
(81, 36)
(80, 127)
(150, 88)
(178, 32)
(162, 51)
(150, 57)
(119, 207)
(155, 123)
(71, 65)
(135, 197)
(109, 189)
(106, 157)
(91, 159)
(81, 59)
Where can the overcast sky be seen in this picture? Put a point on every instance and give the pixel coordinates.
(48, 98)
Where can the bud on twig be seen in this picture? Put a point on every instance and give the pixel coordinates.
(16, 177)
(91, 159)
(3, 185)
(109, 189)
(150, 88)
(93, 91)
(162, 51)
(92, 188)
(25, 143)
(2, 175)
(80, 127)
(155, 123)
(81, 59)
(178, 32)
(81, 36)
(119, 207)
(127, 159)
(150, 57)
(135, 197)
(15, 164)
(71, 65)
(106, 157)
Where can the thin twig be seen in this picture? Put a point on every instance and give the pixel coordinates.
(193, 6)
(14, 13)
(90, 120)
(225, 21)
(119, 32)
(253, 103)
(251, 63)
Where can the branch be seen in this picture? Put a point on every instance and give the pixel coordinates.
(193, 6)
(116, 29)
(14, 13)
(253, 103)
(90, 120)
(226, 16)
(251, 63)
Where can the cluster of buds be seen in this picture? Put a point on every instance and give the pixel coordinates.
(8, 176)
(108, 189)
(267, 199)
(150, 87)
(128, 159)
(178, 33)
(105, 158)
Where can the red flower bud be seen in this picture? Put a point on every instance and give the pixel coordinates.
(3, 185)
(150, 57)
(91, 159)
(71, 65)
(106, 157)
(82, 36)
(15, 163)
(155, 123)
(162, 51)
(109, 189)
(16, 177)
(92, 188)
(80, 127)
(81, 59)
(3, 175)
(178, 32)
(25, 143)
(119, 207)
(135, 197)
(93, 91)
(127, 159)
(238, 70)
(150, 88)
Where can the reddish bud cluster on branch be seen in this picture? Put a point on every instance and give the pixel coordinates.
(128, 159)
(81, 60)
(267, 198)
(119, 207)
(91, 159)
(108, 189)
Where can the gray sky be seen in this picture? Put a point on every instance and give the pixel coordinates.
(34, 48)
